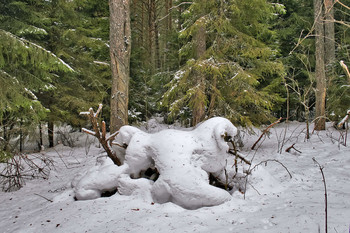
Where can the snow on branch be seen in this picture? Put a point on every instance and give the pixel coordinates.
(27, 42)
(345, 119)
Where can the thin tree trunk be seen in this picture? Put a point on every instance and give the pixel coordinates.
(50, 132)
(199, 106)
(156, 40)
(320, 122)
(151, 34)
(40, 137)
(21, 136)
(329, 34)
(120, 48)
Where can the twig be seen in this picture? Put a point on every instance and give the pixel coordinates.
(273, 160)
(325, 193)
(337, 1)
(170, 9)
(43, 197)
(292, 147)
(265, 131)
(240, 156)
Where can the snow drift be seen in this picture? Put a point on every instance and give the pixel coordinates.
(183, 159)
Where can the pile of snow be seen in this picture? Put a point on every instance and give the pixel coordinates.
(183, 159)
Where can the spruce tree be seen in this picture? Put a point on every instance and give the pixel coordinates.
(239, 67)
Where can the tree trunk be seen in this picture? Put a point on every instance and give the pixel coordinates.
(329, 34)
(151, 34)
(40, 145)
(50, 132)
(199, 106)
(320, 76)
(120, 48)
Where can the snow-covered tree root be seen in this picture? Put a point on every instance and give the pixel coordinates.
(184, 160)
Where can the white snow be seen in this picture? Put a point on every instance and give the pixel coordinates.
(273, 202)
(183, 159)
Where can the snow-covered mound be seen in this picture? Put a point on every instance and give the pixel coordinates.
(183, 159)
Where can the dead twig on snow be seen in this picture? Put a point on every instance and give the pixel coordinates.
(292, 147)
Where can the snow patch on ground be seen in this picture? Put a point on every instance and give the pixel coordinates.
(280, 205)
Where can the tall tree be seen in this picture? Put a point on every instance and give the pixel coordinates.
(200, 99)
(236, 75)
(320, 75)
(120, 48)
(329, 33)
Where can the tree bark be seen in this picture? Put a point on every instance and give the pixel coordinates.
(120, 48)
(329, 34)
(320, 75)
(199, 106)
(50, 132)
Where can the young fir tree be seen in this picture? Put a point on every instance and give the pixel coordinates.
(76, 32)
(236, 74)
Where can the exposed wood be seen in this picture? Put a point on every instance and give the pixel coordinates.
(344, 120)
(120, 49)
(346, 70)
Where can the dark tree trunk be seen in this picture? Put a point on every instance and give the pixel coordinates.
(40, 137)
(120, 48)
(50, 132)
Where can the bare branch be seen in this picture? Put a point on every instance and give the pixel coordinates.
(100, 133)
(273, 160)
(325, 193)
(172, 8)
(292, 147)
(265, 131)
(347, 7)
(88, 132)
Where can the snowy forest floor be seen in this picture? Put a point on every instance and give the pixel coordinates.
(274, 202)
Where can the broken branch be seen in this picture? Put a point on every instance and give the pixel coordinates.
(292, 147)
(100, 133)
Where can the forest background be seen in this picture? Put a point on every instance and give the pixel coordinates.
(249, 61)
